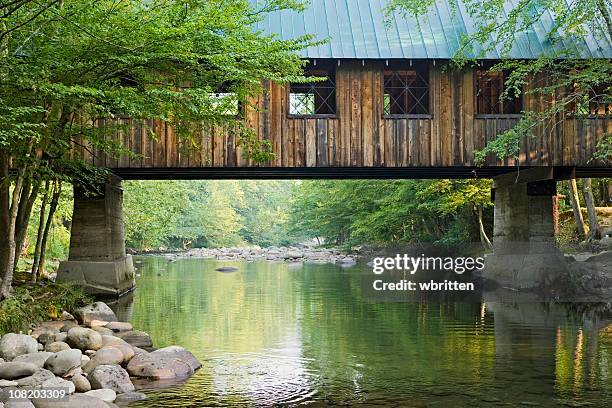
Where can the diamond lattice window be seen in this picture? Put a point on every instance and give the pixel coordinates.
(406, 92)
(226, 103)
(597, 102)
(490, 98)
(314, 98)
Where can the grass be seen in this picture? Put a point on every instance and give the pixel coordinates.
(32, 304)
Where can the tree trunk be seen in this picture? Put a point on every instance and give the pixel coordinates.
(7, 278)
(587, 190)
(41, 229)
(483, 234)
(30, 192)
(575, 201)
(4, 209)
(57, 189)
(604, 193)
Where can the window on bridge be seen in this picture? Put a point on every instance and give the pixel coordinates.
(490, 99)
(406, 91)
(314, 98)
(225, 101)
(596, 102)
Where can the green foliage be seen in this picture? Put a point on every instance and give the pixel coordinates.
(151, 210)
(66, 65)
(31, 305)
(380, 212)
(187, 214)
(604, 150)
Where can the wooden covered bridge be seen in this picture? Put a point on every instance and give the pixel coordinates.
(389, 106)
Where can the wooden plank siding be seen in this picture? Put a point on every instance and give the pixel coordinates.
(360, 136)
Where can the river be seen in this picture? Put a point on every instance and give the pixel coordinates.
(275, 334)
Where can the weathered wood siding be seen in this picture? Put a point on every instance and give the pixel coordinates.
(359, 135)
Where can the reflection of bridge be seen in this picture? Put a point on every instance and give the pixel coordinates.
(386, 107)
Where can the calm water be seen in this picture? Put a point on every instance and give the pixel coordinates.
(274, 334)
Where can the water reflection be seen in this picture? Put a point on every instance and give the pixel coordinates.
(270, 334)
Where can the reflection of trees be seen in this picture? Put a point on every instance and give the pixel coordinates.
(391, 347)
(268, 331)
(556, 352)
(249, 313)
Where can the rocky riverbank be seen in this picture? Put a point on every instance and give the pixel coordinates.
(279, 254)
(92, 356)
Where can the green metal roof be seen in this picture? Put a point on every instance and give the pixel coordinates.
(357, 29)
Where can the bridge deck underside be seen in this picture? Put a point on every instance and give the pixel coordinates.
(220, 173)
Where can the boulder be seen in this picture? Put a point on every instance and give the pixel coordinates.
(15, 369)
(13, 345)
(109, 376)
(130, 397)
(7, 383)
(56, 346)
(37, 358)
(138, 350)
(119, 326)
(57, 382)
(109, 355)
(166, 363)
(52, 324)
(81, 383)
(104, 394)
(73, 401)
(61, 336)
(106, 355)
(19, 403)
(136, 338)
(97, 323)
(37, 379)
(127, 350)
(84, 360)
(103, 330)
(64, 362)
(84, 338)
(68, 325)
(44, 334)
(293, 255)
(95, 311)
(67, 316)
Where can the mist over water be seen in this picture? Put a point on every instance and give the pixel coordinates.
(305, 335)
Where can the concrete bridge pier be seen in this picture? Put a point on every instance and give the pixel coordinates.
(97, 260)
(524, 248)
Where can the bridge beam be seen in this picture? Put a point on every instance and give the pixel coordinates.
(525, 254)
(98, 261)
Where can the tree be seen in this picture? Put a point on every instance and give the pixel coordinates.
(66, 65)
(575, 203)
(383, 212)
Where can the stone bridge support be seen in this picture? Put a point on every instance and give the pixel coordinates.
(97, 260)
(524, 247)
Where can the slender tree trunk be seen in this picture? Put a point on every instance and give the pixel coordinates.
(30, 192)
(41, 229)
(4, 208)
(57, 189)
(587, 190)
(575, 202)
(604, 192)
(483, 234)
(7, 278)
